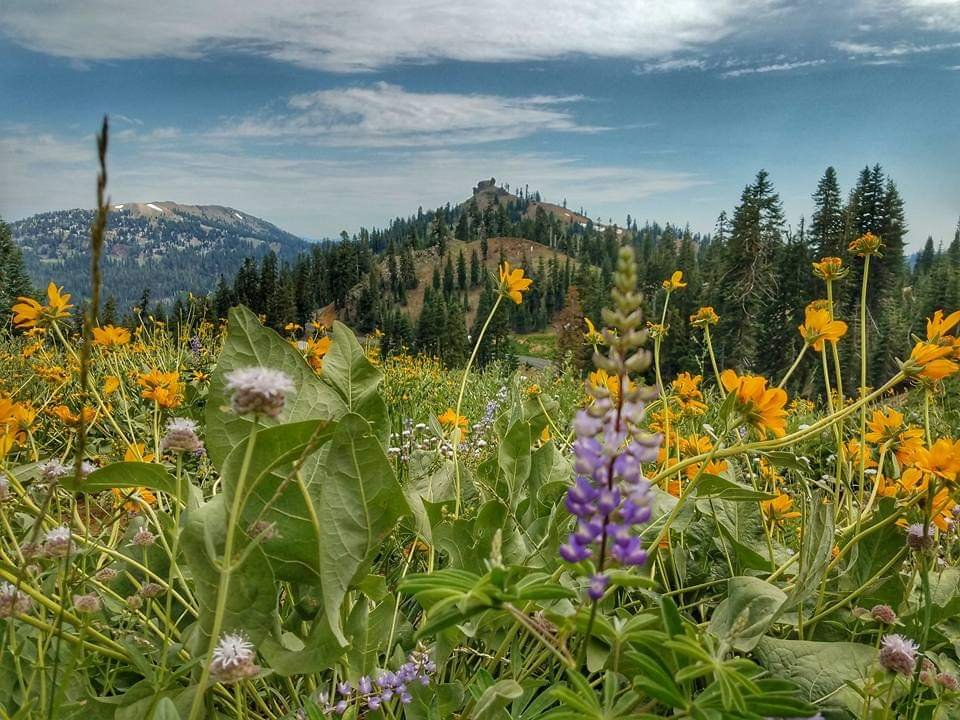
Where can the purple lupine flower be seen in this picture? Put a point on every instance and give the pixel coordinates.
(610, 498)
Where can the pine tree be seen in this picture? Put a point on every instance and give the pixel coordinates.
(475, 266)
(750, 279)
(827, 226)
(14, 280)
(925, 258)
(223, 298)
(438, 233)
(461, 272)
(463, 228)
(448, 278)
(408, 272)
(454, 341)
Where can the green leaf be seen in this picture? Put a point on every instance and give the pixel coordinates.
(821, 669)
(361, 501)
(818, 536)
(294, 551)
(251, 599)
(715, 486)
(747, 612)
(165, 710)
(249, 344)
(514, 460)
(494, 700)
(788, 460)
(124, 475)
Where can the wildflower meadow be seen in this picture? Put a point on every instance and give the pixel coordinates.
(226, 521)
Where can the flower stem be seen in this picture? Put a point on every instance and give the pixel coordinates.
(463, 387)
(226, 570)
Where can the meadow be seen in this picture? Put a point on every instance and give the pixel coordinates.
(209, 521)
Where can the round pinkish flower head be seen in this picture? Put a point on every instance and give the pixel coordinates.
(898, 654)
(258, 390)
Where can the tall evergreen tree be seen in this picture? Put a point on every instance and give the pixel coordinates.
(14, 280)
(750, 280)
(827, 225)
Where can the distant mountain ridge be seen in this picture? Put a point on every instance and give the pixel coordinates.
(169, 247)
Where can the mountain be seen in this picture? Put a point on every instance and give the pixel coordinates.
(168, 247)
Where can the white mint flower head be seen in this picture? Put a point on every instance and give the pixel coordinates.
(86, 604)
(898, 654)
(233, 659)
(181, 436)
(52, 470)
(12, 600)
(4, 487)
(258, 390)
(56, 543)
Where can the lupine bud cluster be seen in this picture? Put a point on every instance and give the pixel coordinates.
(610, 497)
(369, 694)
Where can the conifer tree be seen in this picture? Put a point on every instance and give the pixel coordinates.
(461, 272)
(475, 267)
(749, 280)
(827, 224)
(14, 280)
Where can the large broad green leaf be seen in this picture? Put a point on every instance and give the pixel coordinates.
(348, 370)
(275, 494)
(251, 599)
(747, 612)
(513, 458)
(492, 703)
(823, 670)
(715, 486)
(361, 501)
(290, 654)
(124, 475)
(868, 558)
(818, 530)
(249, 344)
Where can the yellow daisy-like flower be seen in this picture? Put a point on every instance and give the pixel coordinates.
(817, 327)
(603, 380)
(674, 282)
(450, 420)
(68, 417)
(512, 282)
(686, 391)
(110, 384)
(762, 407)
(132, 497)
(164, 388)
(942, 459)
(830, 268)
(778, 510)
(138, 453)
(109, 336)
(931, 362)
(316, 350)
(866, 244)
(704, 316)
(884, 426)
(939, 327)
(592, 335)
(28, 313)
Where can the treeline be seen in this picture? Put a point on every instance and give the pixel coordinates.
(754, 269)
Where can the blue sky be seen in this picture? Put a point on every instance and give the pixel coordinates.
(321, 116)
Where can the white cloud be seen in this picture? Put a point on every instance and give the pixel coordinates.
(317, 196)
(671, 65)
(774, 67)
(893, 50)
(368, 34)
(384, 115)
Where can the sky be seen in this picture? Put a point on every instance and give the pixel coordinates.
(321, 116)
